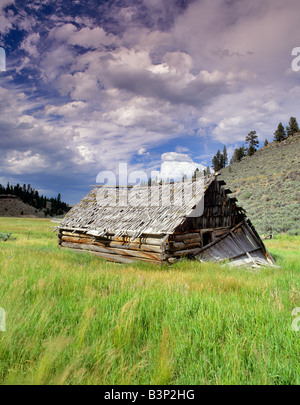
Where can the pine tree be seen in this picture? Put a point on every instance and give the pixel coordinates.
(266, 142)
(251, 150)
(238, 154)
(280, 134)
(224, 157)
(293, 127)
(217, 161)
(252, 140)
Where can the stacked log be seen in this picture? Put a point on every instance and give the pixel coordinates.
(121, 249)
(180, 245)
(118, 249)
(220, 212)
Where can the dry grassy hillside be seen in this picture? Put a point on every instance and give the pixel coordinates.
(14, 207)
(267, 185)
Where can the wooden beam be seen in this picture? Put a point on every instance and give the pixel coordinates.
(115, 258)
(108, 250)
(184, 252)
(221, 237)
(183, 245)
(108, 243)
(180, 237)
(123, 239)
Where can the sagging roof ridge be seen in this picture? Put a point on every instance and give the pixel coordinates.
(93, 215)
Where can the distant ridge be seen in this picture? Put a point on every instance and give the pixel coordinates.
(267, 185)
(34, 204)
(11, 206)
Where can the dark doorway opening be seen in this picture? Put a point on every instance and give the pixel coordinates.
(206, 238)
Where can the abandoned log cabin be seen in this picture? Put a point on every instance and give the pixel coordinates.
(162, 223)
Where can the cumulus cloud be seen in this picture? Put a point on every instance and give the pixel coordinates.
(25, 162)
(176, 165)
(86, 37)
(117, 83)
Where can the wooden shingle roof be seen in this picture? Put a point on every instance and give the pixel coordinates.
(137, 210)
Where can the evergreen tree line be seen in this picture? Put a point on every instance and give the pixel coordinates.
(30, 196)
(281, 134)
(220, 160)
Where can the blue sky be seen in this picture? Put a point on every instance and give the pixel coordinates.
(158, 84)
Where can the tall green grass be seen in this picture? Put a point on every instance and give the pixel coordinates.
(76, 319)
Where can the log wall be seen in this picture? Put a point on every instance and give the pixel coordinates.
(220, 214)
(220, 211)
(119, 249)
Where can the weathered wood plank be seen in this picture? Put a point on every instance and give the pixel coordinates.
(177, 246)
(185, 252)
(180, 237)
(109, 250)
(124, 239)
(113, 257)
(109, 243)
(75, 234)
(76, 239)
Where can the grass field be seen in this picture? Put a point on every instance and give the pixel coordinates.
(76, 319)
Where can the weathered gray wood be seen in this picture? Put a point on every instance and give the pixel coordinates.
(165, 231)
(76, 239)
(182, 245)
(109, 250)
(108, 243)
(113, 257)
(179, 237)
(186, 241)
(185, 252)
(124, 239)
(243, 254)
(76, 234)
(221, 237)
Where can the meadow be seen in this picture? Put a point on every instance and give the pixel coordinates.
(74, 318)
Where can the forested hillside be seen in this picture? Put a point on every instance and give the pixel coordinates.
(30, 197)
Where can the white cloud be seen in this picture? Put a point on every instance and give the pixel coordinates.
(142, 152)
(86, 37)
(5, 3)
(69, 110)
(175, 165)
(25, 162)
(144, 76)
(29, 44)
(5, 24)
(181, 149)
